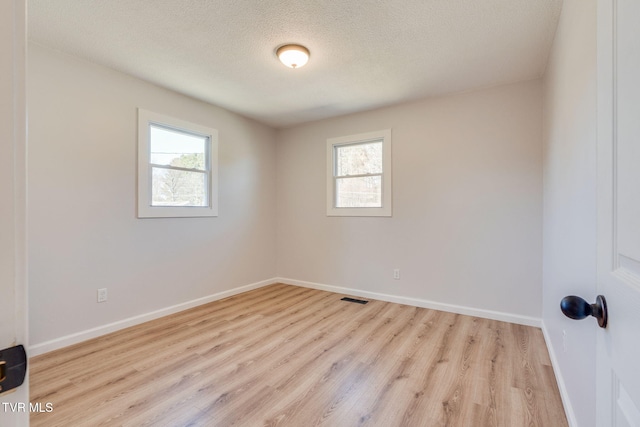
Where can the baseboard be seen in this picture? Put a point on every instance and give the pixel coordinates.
(418, 302)
(566, 402)
(55, 344)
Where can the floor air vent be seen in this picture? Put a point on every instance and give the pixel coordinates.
(359, 301)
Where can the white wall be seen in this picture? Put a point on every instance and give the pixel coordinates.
(467, 204)
(569, 243)
(83, 230)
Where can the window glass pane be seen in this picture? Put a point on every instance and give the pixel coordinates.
(359, 159)
(176, 148)
(362, 192)
(178, 188)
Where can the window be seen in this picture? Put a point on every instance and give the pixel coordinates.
(359, 175)
(177, 167)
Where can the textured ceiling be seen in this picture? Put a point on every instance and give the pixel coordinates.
(364, 53)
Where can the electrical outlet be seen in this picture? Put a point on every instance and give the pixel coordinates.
(396, 274)
(102, 295)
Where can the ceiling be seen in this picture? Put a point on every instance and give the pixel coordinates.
(364, 53)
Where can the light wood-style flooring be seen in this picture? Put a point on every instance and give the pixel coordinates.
(290, 356)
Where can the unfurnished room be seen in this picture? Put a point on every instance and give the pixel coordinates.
(405, 213)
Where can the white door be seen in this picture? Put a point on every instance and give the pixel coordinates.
(12, 198)
(618, 346)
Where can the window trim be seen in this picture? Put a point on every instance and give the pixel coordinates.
(332, 143)
(145, 209)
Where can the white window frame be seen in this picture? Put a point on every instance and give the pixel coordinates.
(145, 209)
(332, 143)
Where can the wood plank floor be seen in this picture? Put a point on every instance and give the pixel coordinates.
(289, 356)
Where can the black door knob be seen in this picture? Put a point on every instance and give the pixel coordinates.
(577, 308)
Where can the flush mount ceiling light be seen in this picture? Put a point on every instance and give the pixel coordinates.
(293, 55)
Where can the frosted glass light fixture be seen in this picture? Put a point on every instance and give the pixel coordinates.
(293, 55)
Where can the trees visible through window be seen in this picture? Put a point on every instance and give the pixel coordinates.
(359, 175)
(177, 170)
